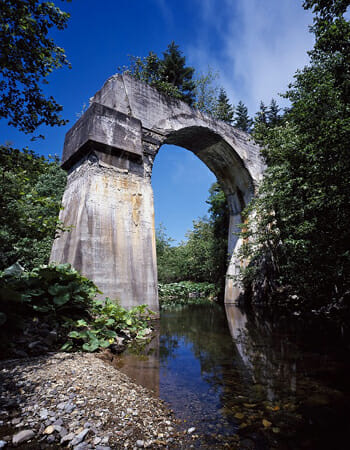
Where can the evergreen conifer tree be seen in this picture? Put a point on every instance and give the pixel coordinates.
(223, 110)
(242, 120)
(273, 115)
(262, 114)
(175, 72)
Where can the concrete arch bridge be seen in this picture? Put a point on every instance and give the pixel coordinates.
(109, 155)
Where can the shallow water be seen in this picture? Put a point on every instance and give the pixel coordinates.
(243, 380)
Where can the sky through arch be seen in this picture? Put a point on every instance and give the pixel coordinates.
(180, 181)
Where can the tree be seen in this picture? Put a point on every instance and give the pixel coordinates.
(169, 75)
(300, 227)
(273, 113)
(265, 118)
(206, 91)
(219, 219)
(31, 189)
(223, 109)
(242, 120)
(262, 114)
(27, 56)
(175, 72)
(149, 70)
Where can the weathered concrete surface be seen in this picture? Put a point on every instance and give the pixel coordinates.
(109, 154)
(112, 241)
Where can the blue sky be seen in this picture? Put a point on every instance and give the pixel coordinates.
(255, 45)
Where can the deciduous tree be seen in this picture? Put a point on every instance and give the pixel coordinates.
(27, 56)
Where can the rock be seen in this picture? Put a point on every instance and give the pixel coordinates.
(69, 407)
(22, 436)
(79, 438)
(44, 414)
(34, 344)
(68, 437)
(191, 430)
(2, 444)
(82, 446)
(49, 430)
(63, 432)
(140, 444)
(51, 337)
(58, 422)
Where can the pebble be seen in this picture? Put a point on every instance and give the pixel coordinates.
(80, 437)
(22, 436)
(191, 430)
(53, 389)
(2, 444)
(49, 430)
(68, 437)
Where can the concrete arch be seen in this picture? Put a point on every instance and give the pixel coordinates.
(109, 155)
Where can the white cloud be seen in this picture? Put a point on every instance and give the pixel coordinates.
(261, 45)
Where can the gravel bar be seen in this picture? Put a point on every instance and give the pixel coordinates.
(76, 400)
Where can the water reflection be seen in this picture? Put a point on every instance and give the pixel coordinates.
(271, 362)
(245, 381)
(141, 364)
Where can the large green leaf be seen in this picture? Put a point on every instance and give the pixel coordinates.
(91, 346)
(61, 299)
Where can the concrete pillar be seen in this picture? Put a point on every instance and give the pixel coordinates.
(233, 290)
(112, 240)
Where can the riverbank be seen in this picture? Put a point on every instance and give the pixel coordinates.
(77, 400)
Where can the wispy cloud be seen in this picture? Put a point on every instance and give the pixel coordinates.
(166, 11)
(262, 44)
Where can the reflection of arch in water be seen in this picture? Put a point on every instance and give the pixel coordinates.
(109, 154)
(270, 359)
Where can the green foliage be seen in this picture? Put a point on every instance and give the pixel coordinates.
(299, 232)
(223, 109)
(27, 56)
(175, 72)
(203, 257)
(242, 120)
(185, 293)
(169, 75)
(266, 118)
(31, 188)
(54, 290)
(149, 70)
(107, 320)
(206, 91)
(61, 296)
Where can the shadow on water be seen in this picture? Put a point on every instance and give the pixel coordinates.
(244, 381)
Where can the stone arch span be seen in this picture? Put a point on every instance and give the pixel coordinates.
(108, 201)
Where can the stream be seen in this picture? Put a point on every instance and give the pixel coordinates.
(242, 380)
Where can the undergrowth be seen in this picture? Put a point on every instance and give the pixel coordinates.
(62, 298)
(186, 293)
